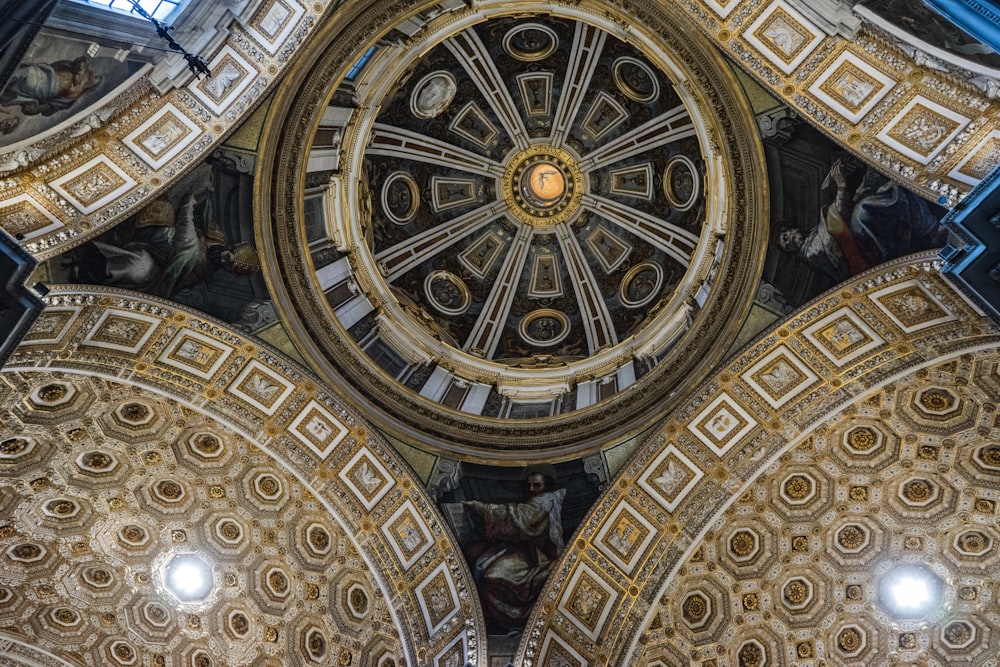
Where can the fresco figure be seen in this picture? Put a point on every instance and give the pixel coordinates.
(45, 88)
(927, 25)
(165, 251)
(519, 545)
(880, 221)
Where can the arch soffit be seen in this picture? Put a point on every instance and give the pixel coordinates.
(766, 400)
(209, 368)
(930, 127)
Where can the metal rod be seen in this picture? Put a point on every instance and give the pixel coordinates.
(196, 64)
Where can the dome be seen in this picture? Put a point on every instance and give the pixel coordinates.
(529, 230)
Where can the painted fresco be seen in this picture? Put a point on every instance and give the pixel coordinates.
(833, 217)
(928, 26)
(58, 77)
(194, 245)
(513, 524)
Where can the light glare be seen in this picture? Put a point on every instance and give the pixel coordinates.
(910, 593)
(188, 578)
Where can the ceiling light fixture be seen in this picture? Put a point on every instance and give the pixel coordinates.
(910, 591)
(188, 578)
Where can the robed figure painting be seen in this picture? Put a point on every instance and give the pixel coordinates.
(512, 547)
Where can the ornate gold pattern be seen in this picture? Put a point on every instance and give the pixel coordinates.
(937, 401)
(858, 435)
(862, 439)
(849, 640)
(796, 592)
(183, 456)
(785, 35)
(851, 85)
(723, 20)
(851, 537)
(922, 130)
(752, 654)
(542, 185)
(798, 487)
(980, 163)
(94, 184)
(918, 491)
(24, 448)
(743, 543)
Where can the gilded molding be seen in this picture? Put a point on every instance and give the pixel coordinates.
(284, 411)
(732, 136)
(843, 347)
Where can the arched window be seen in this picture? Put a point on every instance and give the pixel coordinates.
(161, 10)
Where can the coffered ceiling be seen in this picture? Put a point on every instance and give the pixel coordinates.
(581, 249)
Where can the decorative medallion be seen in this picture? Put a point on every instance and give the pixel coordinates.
(261, 387)
(433, 94)
(195, 353)
(368, 478)
(530, 42)
(635, 79)
(447, 292)
(681, 183)
(641, 284)
(121, 331)
(408, 534)
(780, 376)
(543, 186)
(544, 327)
(400, 197)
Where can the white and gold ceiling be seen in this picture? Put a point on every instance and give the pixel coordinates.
(751, 528)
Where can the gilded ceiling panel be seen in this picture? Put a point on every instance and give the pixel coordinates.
(929, 123)
(139, 440)
(909, 483)
(756, 525)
